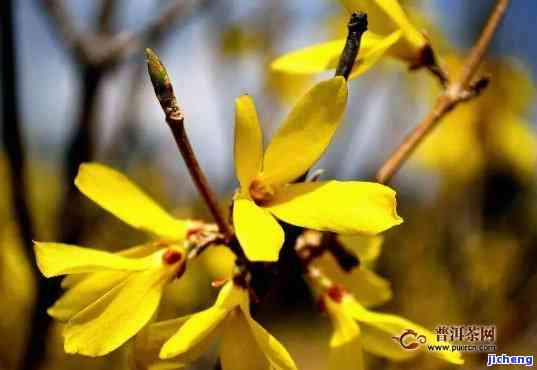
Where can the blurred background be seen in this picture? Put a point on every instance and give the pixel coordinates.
(466, 254)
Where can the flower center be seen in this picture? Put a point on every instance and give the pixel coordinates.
(260, 192)
(171, 256)
(336, 292)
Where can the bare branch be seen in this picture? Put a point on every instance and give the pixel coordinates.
(125, 44)
(461, 89)
(66, 29)
(356, 27)
(175, 119)
(105, 16)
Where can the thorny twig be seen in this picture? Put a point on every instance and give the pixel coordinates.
(462, 88)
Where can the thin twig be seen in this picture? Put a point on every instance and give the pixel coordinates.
(461, 89)
(15, 153)
(356, 27)
(175, 119)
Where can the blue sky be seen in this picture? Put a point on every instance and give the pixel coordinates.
(49, 86)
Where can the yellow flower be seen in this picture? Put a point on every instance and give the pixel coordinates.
(389, 31)
(387, 16)
(267, 181)
(355, 328)
(111, 296)
(324, 56)
(244, 344)
(364, 284)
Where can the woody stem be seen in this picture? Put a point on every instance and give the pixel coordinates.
(175, 120)
(457, 91)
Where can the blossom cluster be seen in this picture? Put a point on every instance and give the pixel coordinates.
(112, 299)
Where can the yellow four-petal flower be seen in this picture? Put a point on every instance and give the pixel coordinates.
(244, 345)
(111, 296)
(267, 181)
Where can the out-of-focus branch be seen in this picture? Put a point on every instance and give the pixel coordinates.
(16, 158)
(11, 129)
(154, 38)
(175, 119)
(93, 49)
(462, 88)
(96, 53)
(66, 29)
(80, 149)
(105, 16)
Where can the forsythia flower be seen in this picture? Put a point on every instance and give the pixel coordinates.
(375, 334)
(244, 345)
(390, 30)
(111, 296)
(364, 284)
(267, 187)
(387, 16)
(325, 56)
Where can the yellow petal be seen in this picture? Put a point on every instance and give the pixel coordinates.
(396, 12)
(138, 251)
(342, 207)
(197, 329)
(116, 317)
(347, 356)
(392, 325)
(514, 141)
(55, 259)
(260, 235)
(231, 296)
(324, 56)
(248, 141)
(345, 328)
(345, 343)
(85, 293)
(367, 287)
(119, 196)
(306, 132)
(274, 351)
(238, 348)
(148, 342)
(370, 57)
(312, 59)
(382, 11)
(366, 247)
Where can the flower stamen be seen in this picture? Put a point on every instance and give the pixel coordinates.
(171, 256)
(261, 192)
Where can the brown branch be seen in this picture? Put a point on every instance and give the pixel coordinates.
(357, 25)
(14, 147)
(457, 91)
(67, 31)
(175, 119)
